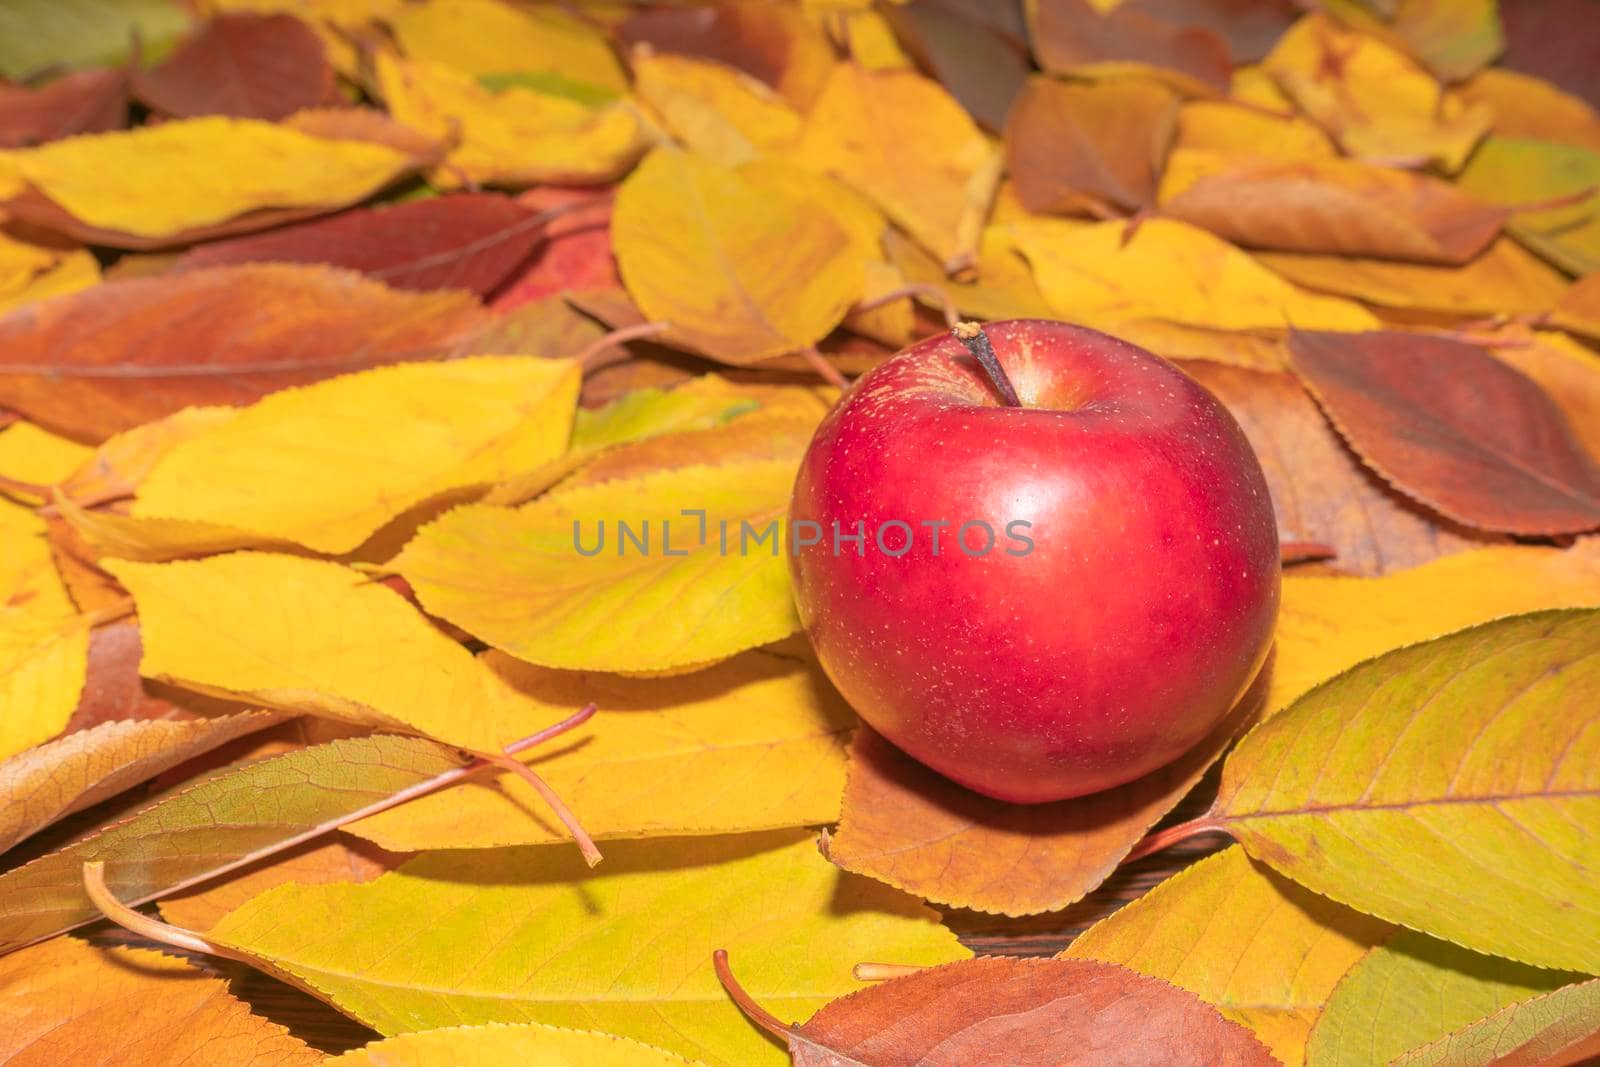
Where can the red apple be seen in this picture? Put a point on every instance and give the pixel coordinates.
(1141, 612)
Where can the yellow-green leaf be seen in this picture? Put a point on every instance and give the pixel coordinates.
(519, 935)
(497, 1044)
(1413, 990)
(1264, 950)
(1520, 171)
(538, 583)
(665, 756)
(220, 823)
(1444, 787)
(486, 37)
(327, 465)
(1557, 1027)
(321, 639)
(694, 246)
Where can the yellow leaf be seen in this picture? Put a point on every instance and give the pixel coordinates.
(1266, 952)
(496, 1044)
(1004, 288)
(69, 1002)
(513, 137)
(1374, 99)
(32, 272)
(1526, 106)
(1316, 640)
(122, 462)
(29, 581)
(871, 42)
(43, 662)
(1503, 280)
(667, 593)
(1558, 1026)
(334, 857)
(716, 111)
(321, 639)
(480, 37)
(161, 180)
(909, 146)
(664, 757)
(1169, 273)
(501, 935)
(327, 465)
(1413, 990)
(30, 454)
(694, 245)
(1389, 788)
(1227, 128)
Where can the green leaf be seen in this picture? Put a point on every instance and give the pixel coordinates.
(521, 935)
(1515, 170)
(1452, 787)
(37, 34)
(1413, 990)
(1556, 1028)
(550, 83)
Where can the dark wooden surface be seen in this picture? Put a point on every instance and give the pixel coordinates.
(1039, 935)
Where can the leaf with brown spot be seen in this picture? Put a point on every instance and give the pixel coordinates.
(1095, 147)
(471, 241)
(246, 65)
(85, 101)
(1071, 37)
(1451, 426)
(907, 826)
(1032, 1012)
(1320, 492)
(1331, 205)
(122, 353)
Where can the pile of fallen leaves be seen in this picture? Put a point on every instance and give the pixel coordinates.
(298, 665)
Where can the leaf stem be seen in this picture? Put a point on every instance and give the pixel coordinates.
(976, 341)
(747, 1004)
(827, 371)
(883, 972)
(33, 495)
(932, 293)
(1161, 839)
(608, 349)
(586, 845)
(94, 883)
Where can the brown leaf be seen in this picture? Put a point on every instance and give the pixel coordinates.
(469, 241)
(1320, 492)
(1569, 372)
(1578, 309)
(981, 65)
(1099, 145)
(1250, 27)
(907, 826)
(85, 101)
(1555, 40)
(1023, 1012)
(245, 65)
(1070, 37)
(770, 42)
(1331, 205)
(1451, 426)
(122, 353)
(113, 690)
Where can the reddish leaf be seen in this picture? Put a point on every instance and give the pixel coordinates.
(1069, 36)
(1320, 492)
(467, 241)
(87, 101)
(1072, 145)
(575, 253)
(1023, 1012)
(1556, 40)
(248, 66)
(109, 358)
(1451, 426)
(981, 67)
(113, 689)
(1250, 27)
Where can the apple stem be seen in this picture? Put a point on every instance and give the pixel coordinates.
(976, 341)
(1161, 839)
(747, 1004)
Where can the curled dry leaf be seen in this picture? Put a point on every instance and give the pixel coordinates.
(523, 946)
(1332, 205)
(643, 766)
(1320, 492)
(693, 244)
(1413, 990)
(1096, 147)
(469, 241)
(1442, 787)
(1038, 1011)
(246, 65)
(1554, 1028)
(85, 101)
(1265, 951)
(66, 1002)
(905, 143)
(1451, 426)
(905, 825)
(495, 1043)
(127, 352)
(1072, 37)
(46, 783)
(117, 188)
(541, 582)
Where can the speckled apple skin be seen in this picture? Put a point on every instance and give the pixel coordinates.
(1143, 611)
